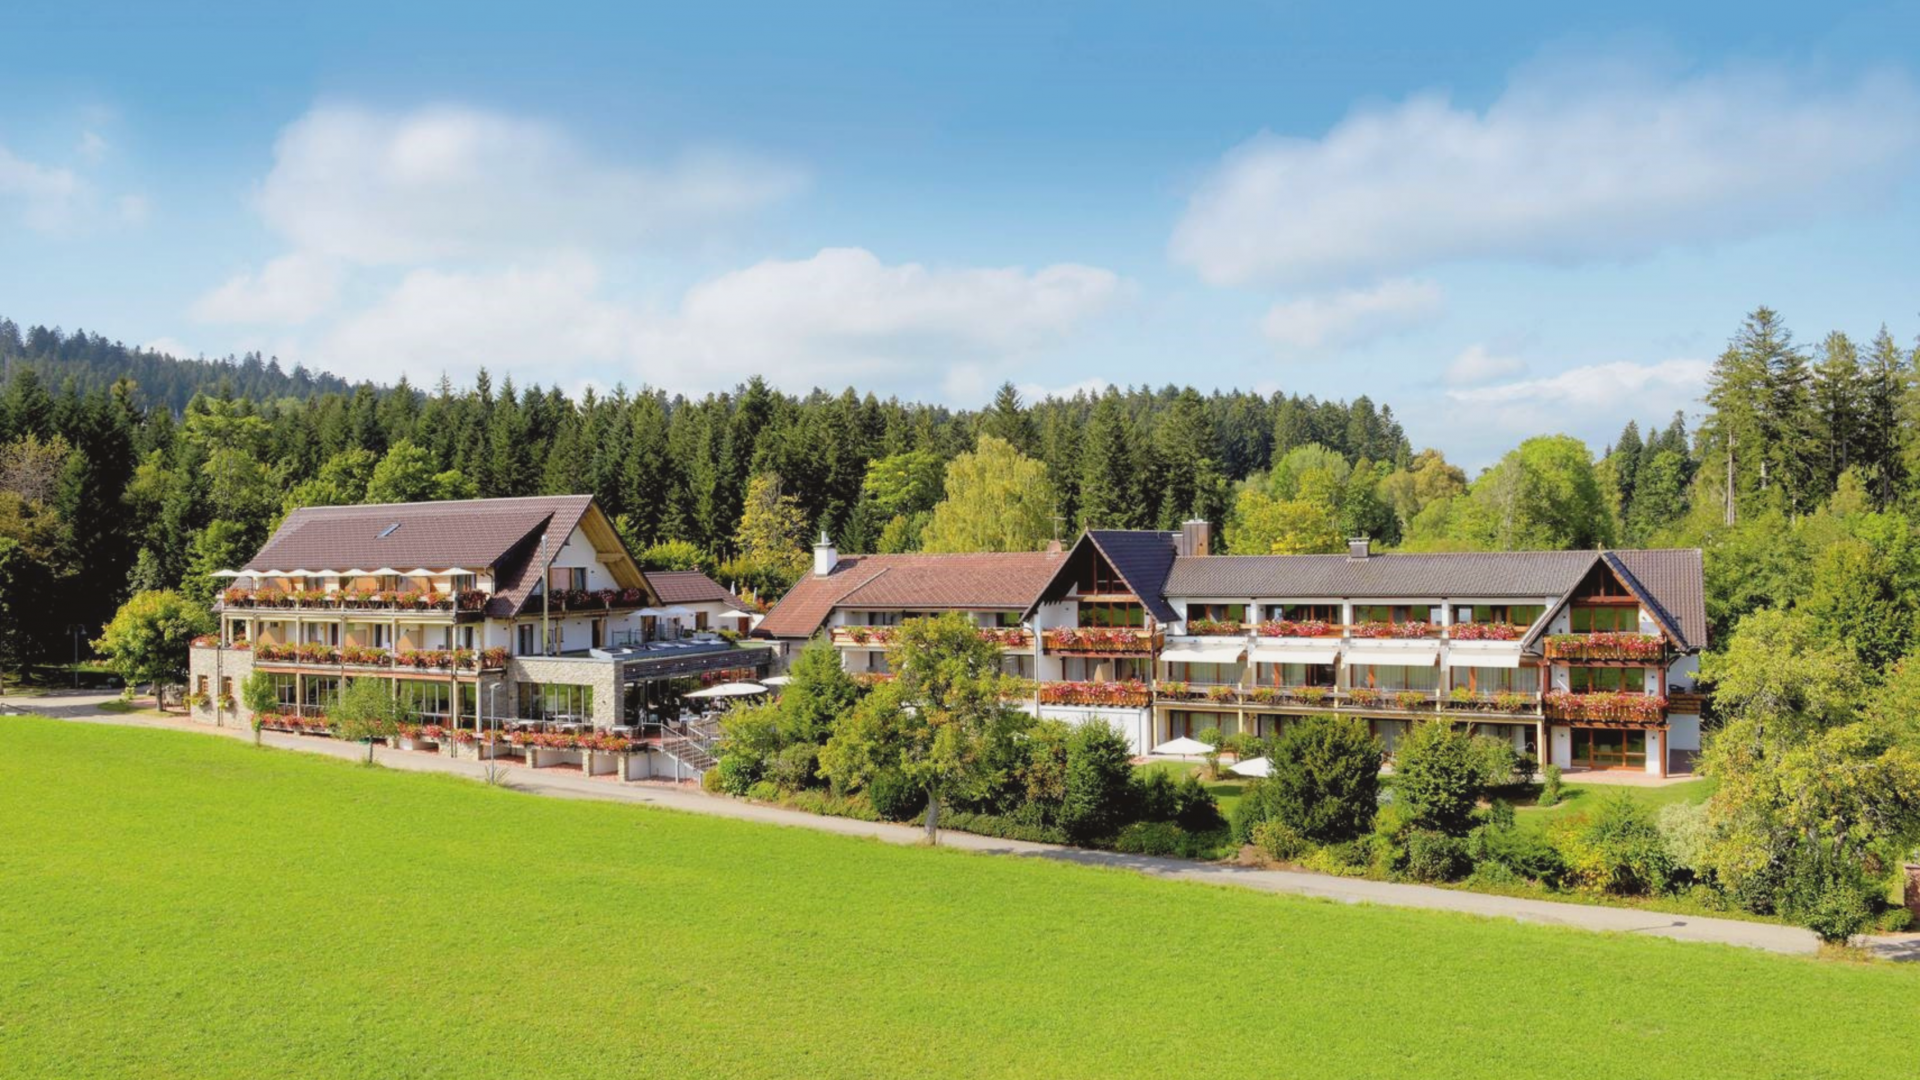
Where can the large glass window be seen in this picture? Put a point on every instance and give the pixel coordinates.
(541, 701)
(1488, 680)
(1112, 614)
(1204, 674)
(1510, 614)
(1588, 619)
(1217, 612)
(1117, 668)
(1329, 613)
(436, 699)
(1294, 674)
(1609, 748)
(1583, 680)
(1395, 613)
(1395, 677)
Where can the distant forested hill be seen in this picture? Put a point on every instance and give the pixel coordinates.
(94, 363)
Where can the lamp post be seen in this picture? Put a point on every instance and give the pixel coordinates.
(76, 629)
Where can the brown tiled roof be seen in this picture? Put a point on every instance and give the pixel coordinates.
(692, 587)
(980, 581)
(1674, 580)
(1462, 574)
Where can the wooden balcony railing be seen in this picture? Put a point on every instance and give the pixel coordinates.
(322, 600)
(1007, 637)
(1352, 699)
(314, 655)
(1127, 694)
(1623, 707)
(1607, 645)
(1102, 641)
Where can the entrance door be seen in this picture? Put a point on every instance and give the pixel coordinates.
(1610, 748)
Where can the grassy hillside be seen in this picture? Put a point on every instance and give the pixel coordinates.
(173, 905)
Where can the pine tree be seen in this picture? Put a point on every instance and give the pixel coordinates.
(1838, 407)
(1110, 495)
(1884, 389)
(1007, 418)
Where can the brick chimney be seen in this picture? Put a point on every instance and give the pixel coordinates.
(1196, 538)
(1359, 547)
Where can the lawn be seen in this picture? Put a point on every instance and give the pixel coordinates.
(1578, 798)
(178, 905)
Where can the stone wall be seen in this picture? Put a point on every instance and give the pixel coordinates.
(602, 675)
(218, 665)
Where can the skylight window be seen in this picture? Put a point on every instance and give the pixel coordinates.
(388, 531)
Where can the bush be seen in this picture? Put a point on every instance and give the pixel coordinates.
(1326, 780)
(793, 767)
(1685, 830)
(1278, 842)
(1100, 794)
(764, 791)
(1832, 897)
(1194, 807)
(1005, 827)
(710, 782)
(895, 797)
(1549, 787)
(735, 773)
(827, 804)
(1250, 812)
(1154, 798)
(1164, 838)
(1504, 852)
(1438, 773)
(1436, 856)
(1346, 859)
(1618, 849)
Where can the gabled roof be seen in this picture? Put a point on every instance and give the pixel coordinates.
(1142, 560)
(692, 587)
(497, 535)
(1673, 583)
(1451, 574)
(983, 581)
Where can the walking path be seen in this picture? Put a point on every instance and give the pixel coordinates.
(571, 784)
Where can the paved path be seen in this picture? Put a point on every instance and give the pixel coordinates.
(571, 784)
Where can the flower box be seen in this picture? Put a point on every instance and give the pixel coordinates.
(1392, 630)
(1485, 632)
(1099, 640)
(1127, 694)
(1311, 628)
(1605, 645)
(1215, 627)
(1618, 706)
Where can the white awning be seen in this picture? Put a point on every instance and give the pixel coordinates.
(1394, 657)
(1506, 659)
(1203, 654)
(1280, 655)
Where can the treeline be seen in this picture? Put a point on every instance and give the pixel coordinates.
(126, 471)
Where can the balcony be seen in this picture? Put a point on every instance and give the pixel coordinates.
(879, 637)
(354, 656)
(1307, 628)
(372, 601)
(1215, 627)
(1607, 646)
(1395, 630)
(1117, 695)
(1101, 641)
(1359, 699)
(1607, 707)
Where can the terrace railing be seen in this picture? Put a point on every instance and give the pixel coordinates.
(1008, 637)
(1607, 645)
(1102, 641)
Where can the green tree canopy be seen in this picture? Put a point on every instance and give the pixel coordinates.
(997, 500)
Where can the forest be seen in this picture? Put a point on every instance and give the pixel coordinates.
(122, 470)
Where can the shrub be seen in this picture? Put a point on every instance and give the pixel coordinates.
(793, 767)
(1154, 798)
(1005, 827)
(1194, 807)
(1100, 789)
(1164, 838)
(1278, 842)
(1834, 898)
(1250, 812)
(1346, 859)
(1502, 852)
(1617, 849)
(895, 797)
(1436, 856)
(734, 774)
(710, 781)
(1550, 786)
(1326, 779)
(1438, 774)
(764, 791)
(1685, 829)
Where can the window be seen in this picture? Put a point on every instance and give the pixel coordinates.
(1394, 677)
(1611, 617)
(466, 637)
(529, 637)
(460, 583)
(1112, 614)
(377, 636)
(1510, 614)
(1394, 613)
(1217, 612)
(1328, 613)
(201, 686)
(226, 686)
(1204, 674)
(1293, 674)
(1586, 680)
(539, 701)
(1485, 680)
(1006, 619)
(1020, 664)
(1116, 669)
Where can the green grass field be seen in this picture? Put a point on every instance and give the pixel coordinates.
(177, 905)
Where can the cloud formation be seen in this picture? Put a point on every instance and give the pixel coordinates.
(44, 196)
(1571, 163)
(289, 290)
(449, 182)
(1476, 365)
(1595, 398)
(1352, 316)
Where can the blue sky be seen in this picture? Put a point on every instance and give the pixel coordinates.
(1515, 219)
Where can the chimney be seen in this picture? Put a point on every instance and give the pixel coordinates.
(1196, 537)
(1359, 547)
(1053, 546)
(825, 558)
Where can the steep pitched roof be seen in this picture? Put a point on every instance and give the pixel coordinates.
(1672, 580)
(474, 534)
(692, 587)
(1143, 560)
(1462, 574)
(917, 582)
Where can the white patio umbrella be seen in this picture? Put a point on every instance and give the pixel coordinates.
(1256, 767)
(777, 680)
(728, 689)
(649, 613)
(1182, 747)
(677, 612)
(230, 573)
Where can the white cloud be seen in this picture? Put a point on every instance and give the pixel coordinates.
(1596, 397)
(92, 147)
(46, 196)
(1476, 365)
(289, 289)
(1572, 163)
(134, 209)
(449, 182)
(841, 316)
(1352, 316)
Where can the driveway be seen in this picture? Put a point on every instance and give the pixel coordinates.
(87, 708)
